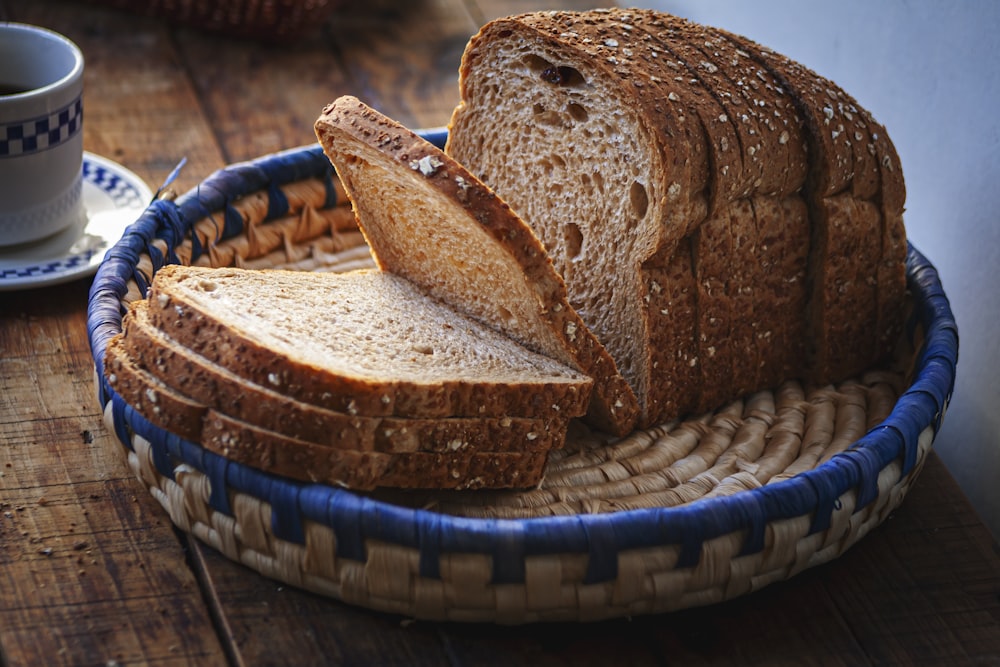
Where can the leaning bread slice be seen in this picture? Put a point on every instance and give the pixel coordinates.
(365, 343)
(277, 453)
(221, 389)
(428, 219)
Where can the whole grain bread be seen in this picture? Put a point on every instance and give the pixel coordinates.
(364, 343)
(851, 156)
(427, 219)
(278, 453)
(651, 156)
(221, 389)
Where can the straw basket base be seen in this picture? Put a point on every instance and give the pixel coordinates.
(686, 514)
(648, 580)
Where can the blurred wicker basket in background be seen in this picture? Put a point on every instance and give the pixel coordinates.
(268, 20)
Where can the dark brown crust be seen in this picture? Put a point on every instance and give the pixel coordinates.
(283, 455)
(712, 251)
(847, 294)
(164, 408)
(218, 388)
(892, 265)
(822, 145)
(782, 257)
(672, 295)
(348, 122)
(821, 104)
(782, 148)
(735, 167)
(728, 161)
(271, 452)
(748, 314)
(851, 154)
(218, 342)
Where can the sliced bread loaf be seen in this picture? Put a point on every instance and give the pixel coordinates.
(225, 391)
(364, 343)
(427, 219)
(278, 453)
(556, 102)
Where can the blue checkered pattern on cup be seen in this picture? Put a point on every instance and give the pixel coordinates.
(38, 134)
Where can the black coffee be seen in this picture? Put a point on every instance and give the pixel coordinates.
(11, 89)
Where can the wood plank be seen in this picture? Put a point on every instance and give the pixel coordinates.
(262, 98)
(140, 108)
(88, 560)
(935, 597)
(87, 557)
(271, 623)
(404, 57)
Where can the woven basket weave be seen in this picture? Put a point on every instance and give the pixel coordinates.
(682, 515)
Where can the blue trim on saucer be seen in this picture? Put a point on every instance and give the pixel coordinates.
(123, 193)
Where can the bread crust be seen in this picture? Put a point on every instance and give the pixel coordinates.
(219, 341)
(158, 403)
(814, 143)
(353, 133)
(852, 155)
(364, 471)
(219, 388)
(438, 466)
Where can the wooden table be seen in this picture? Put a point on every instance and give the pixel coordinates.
(93, 572)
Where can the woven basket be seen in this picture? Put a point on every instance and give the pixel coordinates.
(265, 20)
(686, 514)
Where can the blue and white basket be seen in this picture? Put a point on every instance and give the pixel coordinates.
(682, 515)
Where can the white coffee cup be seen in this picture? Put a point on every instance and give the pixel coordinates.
(41, 133)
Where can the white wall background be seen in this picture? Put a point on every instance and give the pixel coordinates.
(929, 70)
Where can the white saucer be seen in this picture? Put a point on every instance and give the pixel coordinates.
(113, 197)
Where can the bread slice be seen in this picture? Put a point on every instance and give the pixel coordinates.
(306, 461)
(730, 131)
(277, 453)
(161, 405)
(782, 255)
(767, 110)
(223, 390)
(604, 128)
(610, 112)
(427, 219)
(365, 343)
(669, 288)
(851, 156)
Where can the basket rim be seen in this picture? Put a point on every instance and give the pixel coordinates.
(356, 518)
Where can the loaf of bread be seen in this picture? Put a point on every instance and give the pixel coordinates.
(723, 217)
(365, 343)
(357, 379)
(279, 453)
(427, 219)
(697, 218)
(215, 386)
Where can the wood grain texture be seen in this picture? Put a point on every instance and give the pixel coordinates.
(86, 554)
(92, 572)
